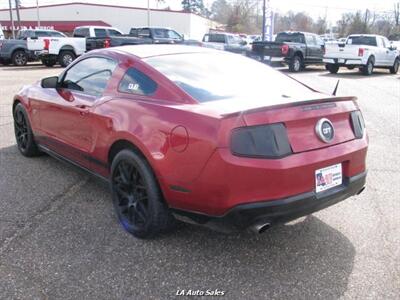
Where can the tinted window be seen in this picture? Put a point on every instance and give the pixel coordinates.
(100, 33)
(290, 37)
(214, 38)
(113, 32)
(136, 82)
(81, 32)
(214, 75)
(134, 32)
(89, 76)
(310, 40)
(362, 40)
(144, 32)
(56, 34)
(166, 34)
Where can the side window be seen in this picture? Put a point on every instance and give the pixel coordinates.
(136, 82)
(174, 35)
(320, 41)
(100, 32)
(310, 40)
(113, 32)
(89, 76)
(134, 32)
(145, 32)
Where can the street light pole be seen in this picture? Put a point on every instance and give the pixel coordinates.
(11, 19)
(37, 13)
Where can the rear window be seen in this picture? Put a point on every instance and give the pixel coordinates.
(216, 75)
(290, 37)
(362, 40)
(214, 38)
(100, 33)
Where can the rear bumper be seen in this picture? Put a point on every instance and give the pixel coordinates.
(345, 61)
(278, 211)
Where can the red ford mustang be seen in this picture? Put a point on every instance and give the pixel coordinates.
(196, 134)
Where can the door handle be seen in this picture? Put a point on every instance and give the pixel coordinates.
(83, 109)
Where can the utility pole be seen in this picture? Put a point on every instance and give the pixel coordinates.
(37, 13)
(263, 22)
(148, 13)
(18, 16)
(11, 19)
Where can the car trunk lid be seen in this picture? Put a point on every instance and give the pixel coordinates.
(300, 120)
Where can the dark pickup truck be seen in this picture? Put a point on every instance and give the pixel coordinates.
(157, 35)
(296, 49)
(103, 37)
(16, 51)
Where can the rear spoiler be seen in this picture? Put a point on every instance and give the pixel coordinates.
(325, 103)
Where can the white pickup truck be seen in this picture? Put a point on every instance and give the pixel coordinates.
(365, 51)
(52, 50)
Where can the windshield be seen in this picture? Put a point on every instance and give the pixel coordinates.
(212, 76)
(289, 37)
(362, 40)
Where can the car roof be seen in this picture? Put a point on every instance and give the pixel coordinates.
(150, 50)
(100, 27)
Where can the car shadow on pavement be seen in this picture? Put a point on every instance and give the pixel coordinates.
(67, 244)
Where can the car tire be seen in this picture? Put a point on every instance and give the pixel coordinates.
(350, 67)
(23, 132)
(49, 62)
(137, 198)
(66, 57)
(369, 68)
(19, 58)
(395, 68)
(295, 64)
(332, 68)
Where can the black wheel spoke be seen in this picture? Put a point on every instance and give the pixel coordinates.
(131, 194)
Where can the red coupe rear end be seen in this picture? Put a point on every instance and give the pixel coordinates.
(208, 137)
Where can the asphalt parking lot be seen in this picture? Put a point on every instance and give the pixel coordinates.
(59, 237)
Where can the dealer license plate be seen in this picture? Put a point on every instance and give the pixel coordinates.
(328, 177)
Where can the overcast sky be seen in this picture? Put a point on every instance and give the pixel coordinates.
(332, 8)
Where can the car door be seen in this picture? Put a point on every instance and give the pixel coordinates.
(320, 49)
(380, 52)
(311, 52)
(391, 53)
(67, 118)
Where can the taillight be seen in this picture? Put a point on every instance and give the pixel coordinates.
(1, 45)
(107, 43)
(263, 141)
(46, 44)
(360, 51)
(357, 122)
(285, 49)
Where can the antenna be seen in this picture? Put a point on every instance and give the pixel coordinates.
(335, 90)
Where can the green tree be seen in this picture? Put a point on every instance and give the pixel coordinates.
(195, 6)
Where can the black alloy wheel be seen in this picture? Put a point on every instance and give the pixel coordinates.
(23, 133)
(136, 196)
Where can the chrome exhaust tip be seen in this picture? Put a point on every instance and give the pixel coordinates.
(260, 227)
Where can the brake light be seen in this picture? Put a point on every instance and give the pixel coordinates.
(107, 43)
(262, 141)
(46, 44)
(357, 122)
(285, 49)
(1, 45)
(360, 51)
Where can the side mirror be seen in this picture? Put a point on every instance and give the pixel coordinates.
(392, 47)
(49, 82)
(243, 43)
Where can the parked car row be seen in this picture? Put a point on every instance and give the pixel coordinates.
(299, 49)
(53, 47)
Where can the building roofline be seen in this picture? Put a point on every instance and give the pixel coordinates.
(96, 4)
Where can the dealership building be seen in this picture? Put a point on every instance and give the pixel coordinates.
(65, 17)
